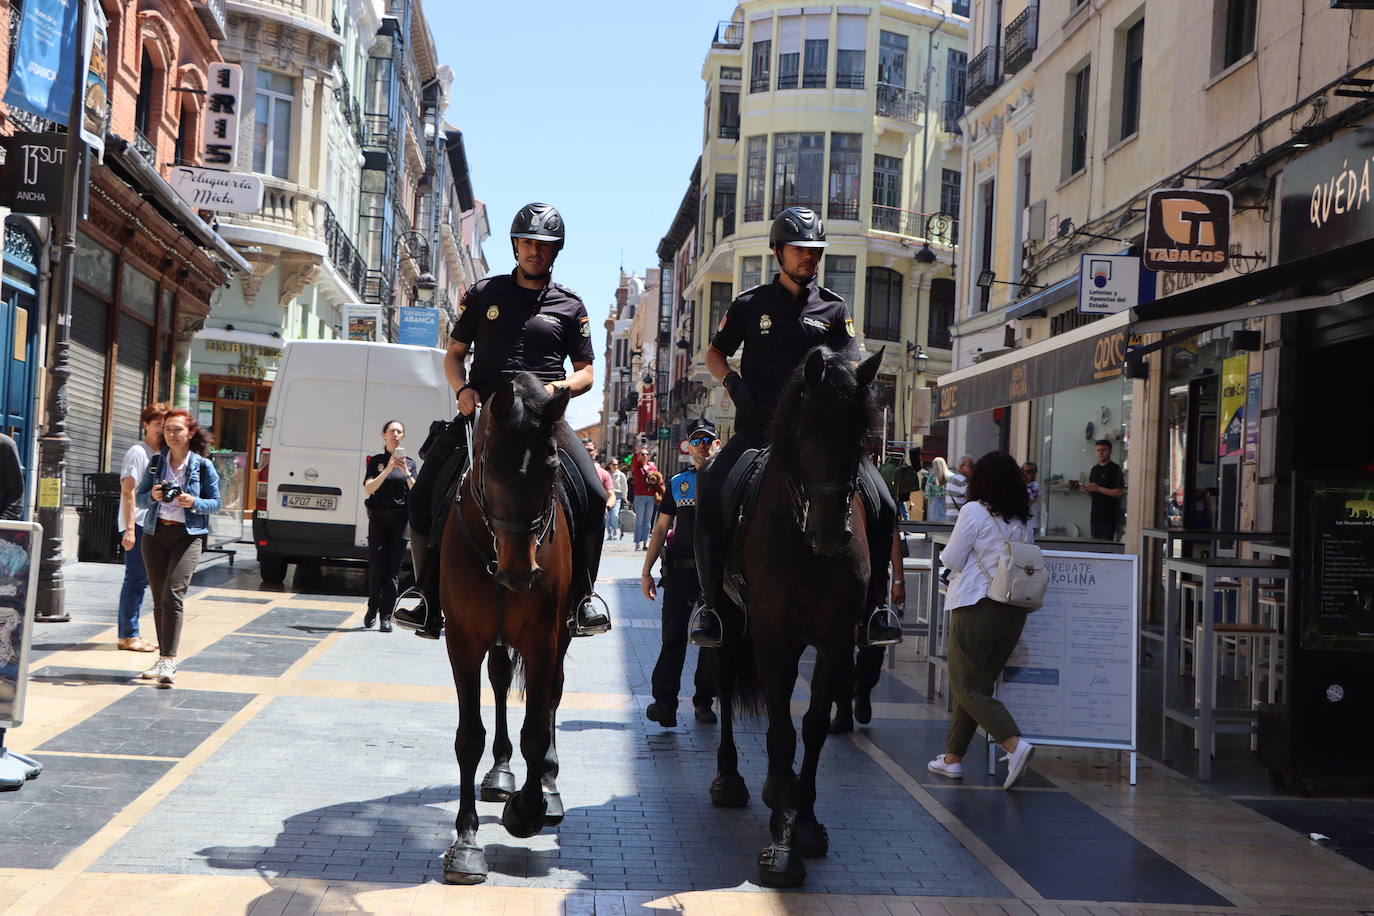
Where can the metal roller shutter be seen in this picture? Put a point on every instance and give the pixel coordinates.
(85, 391)
(130, 385)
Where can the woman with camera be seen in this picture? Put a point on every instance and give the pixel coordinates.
(179, 489)
(387, 482)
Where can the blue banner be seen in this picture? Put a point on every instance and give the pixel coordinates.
(45, 60)
(418, 327)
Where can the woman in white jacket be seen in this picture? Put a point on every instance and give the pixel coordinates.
(983, 632)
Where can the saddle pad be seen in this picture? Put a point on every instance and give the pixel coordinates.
(575, 490)
(738, 498)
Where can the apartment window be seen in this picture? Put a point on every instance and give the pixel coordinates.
(1133, 58)
(789, 51)
(1238, 30)
(728, 126)
(755, 178)
(798, 163)
(985, 216)
(147, 85)
(816, 61)
(272, 129)
(956, 76)
(845, 165)
(851, 39)
(839, 275)
(941, 314)
(887, 193)
(1018, 241)
(759, 65)
(883, 304)
(960, 7)
(892, 59)
(951, 186)
(723, 207)
(750, 271)
(1077, 147)
(720, 302)
(184, 151)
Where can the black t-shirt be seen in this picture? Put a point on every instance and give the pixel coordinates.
(393, 491)
(778, 329)
(513, 329)
(679, 503)
(1106, 508)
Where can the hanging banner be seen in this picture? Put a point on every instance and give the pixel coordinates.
(220, 136)
(95, 101)
(1233, 379)
(41, 79)
(362, 321)
(418, 327)
(1252, 415)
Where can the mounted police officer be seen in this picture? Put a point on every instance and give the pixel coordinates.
(521, 321)
(778, 323)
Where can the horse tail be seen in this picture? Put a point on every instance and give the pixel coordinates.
(738, 678)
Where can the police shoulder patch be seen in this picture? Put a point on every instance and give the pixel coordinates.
(849, 326)
(585, 324)
(563, 289)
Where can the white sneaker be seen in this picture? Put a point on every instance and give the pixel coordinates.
(1016, 762)
(152, 673)
(940, 768)
(168, 674)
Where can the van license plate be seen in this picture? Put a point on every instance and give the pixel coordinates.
(293, 501)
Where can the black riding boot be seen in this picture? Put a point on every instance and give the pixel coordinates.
(704, 627)
(591, 616)
(417, 608)
(881, 627)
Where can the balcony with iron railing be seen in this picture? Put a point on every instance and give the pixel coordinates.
(342, 252)
(1022, 37)
(145, 147)
(983, 75)
(211, 13)
(900, 104)
(728, 35)
(936, 228)
(953, 111)
(728, 131)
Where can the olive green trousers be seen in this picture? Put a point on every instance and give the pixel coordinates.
(981, 640)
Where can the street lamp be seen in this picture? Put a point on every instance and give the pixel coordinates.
(425, 284)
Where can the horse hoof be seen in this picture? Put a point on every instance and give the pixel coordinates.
(553, 809)
(779, 867)
(729, 791)
(519, 823)
(810, 839)
(841, 725)
(464, 865)
(498, 785)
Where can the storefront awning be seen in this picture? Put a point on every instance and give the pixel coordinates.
(1042, 300)
(1087, 355)
(1229, 300)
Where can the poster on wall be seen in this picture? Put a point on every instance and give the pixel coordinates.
(1333, 529)
(19, 543)
(418, 327)
(1072, 678)
(1234, 372)
(1252, 415)
(362, 322)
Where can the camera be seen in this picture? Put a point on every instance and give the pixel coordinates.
(170, 492)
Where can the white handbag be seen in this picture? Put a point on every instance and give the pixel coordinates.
(1021, 577)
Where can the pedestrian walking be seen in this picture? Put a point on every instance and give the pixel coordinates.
(983, 632)
(640, 466)
(387, 482)
(180, 488)
(936, 494)
(1029, 471)
(622, 484)
(956, 489)
(131, 519)
(672, 535)
(615, 499)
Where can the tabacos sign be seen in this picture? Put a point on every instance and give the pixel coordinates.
(1188, 231)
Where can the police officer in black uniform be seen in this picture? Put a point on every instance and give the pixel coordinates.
(521, 321)
(778, 323)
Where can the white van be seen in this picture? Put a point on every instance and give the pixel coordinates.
(324, 419)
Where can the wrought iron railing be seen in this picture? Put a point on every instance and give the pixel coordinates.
(377, 132)
(940, 228)
(1022, 38)
(849, 80)
(900, 103)
(145, 147)
(983, 75)
(729, 34)
(843, 209)
(342, 252)
(781, 203)
(953, 110)
(753, 212)
(211, 13)
(728, 131)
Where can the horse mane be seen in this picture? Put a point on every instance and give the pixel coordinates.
(525, 420)
(835, 399)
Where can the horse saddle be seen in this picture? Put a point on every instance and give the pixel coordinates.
(738, 496)
(575, 489)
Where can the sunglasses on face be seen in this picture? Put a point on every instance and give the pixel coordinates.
(700, 440)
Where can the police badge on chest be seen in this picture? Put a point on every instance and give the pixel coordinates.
(765, 323)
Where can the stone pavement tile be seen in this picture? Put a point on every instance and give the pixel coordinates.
(49, 638)
(152, 723)
(256, 656)
(290, 620)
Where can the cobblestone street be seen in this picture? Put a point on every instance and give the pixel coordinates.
(304, 764)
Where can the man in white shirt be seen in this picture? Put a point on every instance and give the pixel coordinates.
(956, 489)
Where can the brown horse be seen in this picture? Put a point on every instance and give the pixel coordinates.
(806, 564)
(506, 576)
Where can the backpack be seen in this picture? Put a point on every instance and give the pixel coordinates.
(1021, 577)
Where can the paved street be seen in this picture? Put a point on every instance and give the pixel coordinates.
(303, 764)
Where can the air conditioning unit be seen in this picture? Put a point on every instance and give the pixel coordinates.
(1033, 222)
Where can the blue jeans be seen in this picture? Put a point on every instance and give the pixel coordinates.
(135, 584)
(613, 520)
(644, 517)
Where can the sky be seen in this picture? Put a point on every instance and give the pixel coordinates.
(594, 106)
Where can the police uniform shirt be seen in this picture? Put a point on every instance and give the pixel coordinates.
(777, 330)
(513, 329)
(392, 493)
(679, 503)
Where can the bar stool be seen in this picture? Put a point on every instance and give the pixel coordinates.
(1261, 642)
(1190, 607)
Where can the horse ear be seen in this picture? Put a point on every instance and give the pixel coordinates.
(815, 367)
(501, 402)
(555, 406)
(868, 369)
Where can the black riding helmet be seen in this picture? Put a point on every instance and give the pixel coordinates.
(540, 222)
(798, 226)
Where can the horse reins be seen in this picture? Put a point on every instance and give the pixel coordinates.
(541, 527)
(801, 495)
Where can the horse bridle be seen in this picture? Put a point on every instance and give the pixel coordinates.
(801, 493)
(541, 527)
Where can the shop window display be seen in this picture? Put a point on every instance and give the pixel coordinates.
(1065, 430)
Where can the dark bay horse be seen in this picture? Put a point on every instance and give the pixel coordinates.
(807, 567)
(506, 576)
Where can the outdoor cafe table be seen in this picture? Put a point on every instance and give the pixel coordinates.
(1171, 536)
(1204, 718)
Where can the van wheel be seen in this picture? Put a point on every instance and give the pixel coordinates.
(272, 568)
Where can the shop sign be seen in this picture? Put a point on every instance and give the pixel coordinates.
(1333, 528)
(362, 321)
(220, 136)
(922, 408)
(1085, 362)
(1327, 197)
(418, 327)
(41, 81)
(1233, 378)
(1188, 231)
(252, 361)
(32, 173)
(212, 189)
(1108, 283)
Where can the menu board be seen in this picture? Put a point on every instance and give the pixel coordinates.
(1072, 678)
(1335, 527)
(19, 542)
